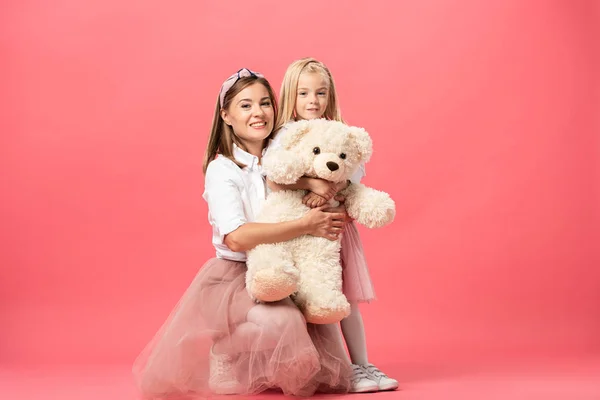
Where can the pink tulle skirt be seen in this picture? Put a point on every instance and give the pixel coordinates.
(357, 285)
(271, 344)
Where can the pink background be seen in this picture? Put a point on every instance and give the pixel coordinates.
(485, 122)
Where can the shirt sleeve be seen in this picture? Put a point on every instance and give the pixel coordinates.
(222, 192)
(358, 174)
(275, 142)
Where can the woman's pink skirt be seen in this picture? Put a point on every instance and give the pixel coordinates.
(279, 351)
(357, 285)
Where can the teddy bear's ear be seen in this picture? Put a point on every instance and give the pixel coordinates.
(293, 133)
(363, 142)
(284, 167)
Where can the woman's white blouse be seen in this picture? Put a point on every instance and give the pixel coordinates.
(234, 196)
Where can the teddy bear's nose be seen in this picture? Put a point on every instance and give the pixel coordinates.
(332, 166)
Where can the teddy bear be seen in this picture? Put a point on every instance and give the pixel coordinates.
(308, 268)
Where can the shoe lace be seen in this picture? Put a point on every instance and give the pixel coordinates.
(359, 374)
(223, 365)
(376, 372)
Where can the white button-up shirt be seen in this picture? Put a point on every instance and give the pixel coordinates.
(234, 195)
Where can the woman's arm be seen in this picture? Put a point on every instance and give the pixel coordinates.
(317, 223)
(223, 194)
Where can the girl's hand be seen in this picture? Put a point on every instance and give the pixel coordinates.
(327, 225)
(313, 200)
(342, 185)
(323, 188)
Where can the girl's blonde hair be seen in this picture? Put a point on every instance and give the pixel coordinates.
(222, 137)
(289, 89)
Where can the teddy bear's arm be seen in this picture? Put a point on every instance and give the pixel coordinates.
(369, 207)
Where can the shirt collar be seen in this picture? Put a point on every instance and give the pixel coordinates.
(250, 161)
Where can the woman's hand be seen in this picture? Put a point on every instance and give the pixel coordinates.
(327, 225)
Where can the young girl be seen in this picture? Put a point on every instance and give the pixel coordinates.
(308, 92)
(217, 340)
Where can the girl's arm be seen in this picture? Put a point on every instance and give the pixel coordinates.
(320, 187)
(317, 186)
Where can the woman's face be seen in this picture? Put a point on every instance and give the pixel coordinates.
(250, 114)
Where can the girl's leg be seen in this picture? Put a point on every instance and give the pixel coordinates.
(354, 335)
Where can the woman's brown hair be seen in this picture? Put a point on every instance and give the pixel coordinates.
(222, 137)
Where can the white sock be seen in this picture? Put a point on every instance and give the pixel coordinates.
(354, 335)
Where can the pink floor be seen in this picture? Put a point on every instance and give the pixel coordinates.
(559, 379)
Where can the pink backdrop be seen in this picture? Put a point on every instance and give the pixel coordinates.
(485, 122)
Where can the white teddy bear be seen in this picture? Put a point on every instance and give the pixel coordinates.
(308, 267)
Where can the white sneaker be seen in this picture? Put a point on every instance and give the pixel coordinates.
(222, 379)
(360, 381)
(383, 381)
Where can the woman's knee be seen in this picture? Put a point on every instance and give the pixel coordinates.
(277, 317)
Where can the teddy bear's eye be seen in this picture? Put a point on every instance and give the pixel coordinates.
(317, 150)
(343, 156)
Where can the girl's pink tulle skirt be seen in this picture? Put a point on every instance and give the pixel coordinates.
(357, 285)
(272, 345)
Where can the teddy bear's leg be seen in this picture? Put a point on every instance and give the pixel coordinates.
(319, 294)
(271, 275)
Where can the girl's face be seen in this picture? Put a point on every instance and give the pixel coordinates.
(250, 114)
(312, 96)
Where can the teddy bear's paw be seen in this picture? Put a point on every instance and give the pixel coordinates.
(272, 274)
(324, 315)
(334, 311)
(376, 211)
(273, 285)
